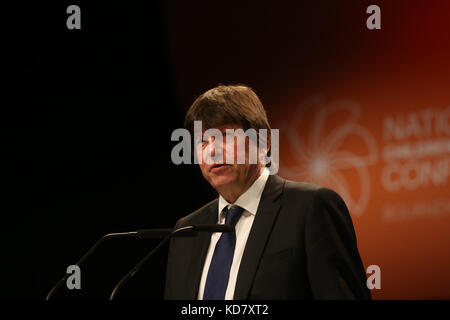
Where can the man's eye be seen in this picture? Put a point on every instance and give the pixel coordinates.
(203, 143)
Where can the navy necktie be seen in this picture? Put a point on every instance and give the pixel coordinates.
(219, 269)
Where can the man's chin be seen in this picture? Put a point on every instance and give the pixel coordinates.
(221, 181)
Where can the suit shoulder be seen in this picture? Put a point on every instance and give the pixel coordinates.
(296, 188)
(192, 217)
(315, 196)
(307, 189)
(301, 186)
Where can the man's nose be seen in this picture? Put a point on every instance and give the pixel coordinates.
(212, 146)
(215, 149)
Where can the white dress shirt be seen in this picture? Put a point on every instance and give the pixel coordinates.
(249, 201)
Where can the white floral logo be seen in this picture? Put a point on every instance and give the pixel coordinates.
(326, 146)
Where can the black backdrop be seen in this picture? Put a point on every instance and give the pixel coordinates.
(88, 116)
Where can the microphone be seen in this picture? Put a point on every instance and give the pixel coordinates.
(188, 231)
(193, 229)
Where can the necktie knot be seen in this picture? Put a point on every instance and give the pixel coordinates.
(233, 214)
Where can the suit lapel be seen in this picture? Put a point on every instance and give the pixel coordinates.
(262, 225)
(201, 244)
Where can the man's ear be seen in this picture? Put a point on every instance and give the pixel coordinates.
(264, 146)
(268, 145)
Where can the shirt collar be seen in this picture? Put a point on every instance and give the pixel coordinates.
(249, 200)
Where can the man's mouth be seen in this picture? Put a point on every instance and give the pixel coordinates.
(218, 166)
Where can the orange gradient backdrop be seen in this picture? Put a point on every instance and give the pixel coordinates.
(349, 102)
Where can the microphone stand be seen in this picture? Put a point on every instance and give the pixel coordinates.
(166, 234)
(188, 230)
(87, 254)
(133, 271)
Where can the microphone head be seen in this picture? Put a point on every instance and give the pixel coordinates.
(214, 227)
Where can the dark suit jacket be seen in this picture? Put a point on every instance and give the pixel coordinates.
(302, 245)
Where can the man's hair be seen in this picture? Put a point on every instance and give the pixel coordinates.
(228, 105)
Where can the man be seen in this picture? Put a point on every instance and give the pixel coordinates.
(292, 240)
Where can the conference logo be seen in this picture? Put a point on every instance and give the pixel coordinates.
(326, 145)
(401, 155)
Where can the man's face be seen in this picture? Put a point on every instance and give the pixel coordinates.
(229, 173)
